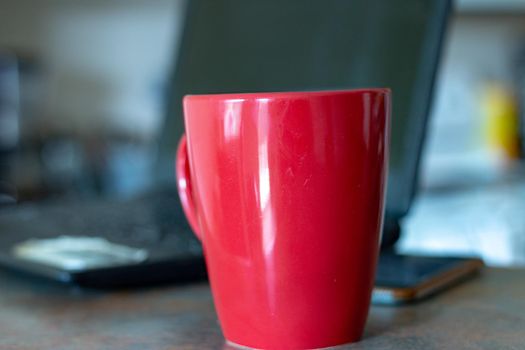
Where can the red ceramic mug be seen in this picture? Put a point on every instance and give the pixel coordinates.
(286, 192)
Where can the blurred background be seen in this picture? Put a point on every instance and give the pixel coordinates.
(82, 96)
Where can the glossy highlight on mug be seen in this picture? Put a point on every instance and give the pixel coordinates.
(286, 192)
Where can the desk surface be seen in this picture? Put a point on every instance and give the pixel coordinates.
(487, 312)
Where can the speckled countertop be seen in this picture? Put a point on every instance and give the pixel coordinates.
(487, 312)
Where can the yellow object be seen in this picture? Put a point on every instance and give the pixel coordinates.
(501, 127)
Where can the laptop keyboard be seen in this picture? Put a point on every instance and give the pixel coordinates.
(154, 222)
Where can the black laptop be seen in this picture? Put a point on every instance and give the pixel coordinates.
(242, 46)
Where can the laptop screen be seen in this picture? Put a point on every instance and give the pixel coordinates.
(273, 45)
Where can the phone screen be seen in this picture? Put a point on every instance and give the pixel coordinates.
(406, 271)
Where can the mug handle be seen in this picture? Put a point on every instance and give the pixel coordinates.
(184, 187)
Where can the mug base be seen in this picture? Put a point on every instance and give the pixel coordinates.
(229, 343)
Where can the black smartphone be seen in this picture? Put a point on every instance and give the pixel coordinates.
(406, 278)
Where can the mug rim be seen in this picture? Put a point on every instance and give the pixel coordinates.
(254, 96)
